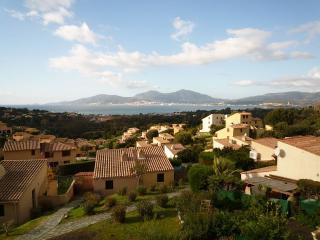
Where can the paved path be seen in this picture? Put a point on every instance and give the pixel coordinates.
(52, 221)
(51, 228)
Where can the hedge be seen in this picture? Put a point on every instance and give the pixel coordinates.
(73, 168)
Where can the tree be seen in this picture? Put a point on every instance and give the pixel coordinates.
(198, 177)
(151, 134)
(187, 156)
(185, 138)
(139, 170)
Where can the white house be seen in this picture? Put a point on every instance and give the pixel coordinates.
(171, 150)
(212, 119)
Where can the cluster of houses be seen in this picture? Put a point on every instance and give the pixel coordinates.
(294, 158)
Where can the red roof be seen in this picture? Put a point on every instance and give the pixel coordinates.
(112, 163)
(308, 143)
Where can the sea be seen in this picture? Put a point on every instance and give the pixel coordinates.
(122, 109)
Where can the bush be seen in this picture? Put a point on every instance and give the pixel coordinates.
(123, 191)
(111, 202)
(132, 196)
(176, 162)
(153, 188)
(163, 189)
(185, 138)
(151, 134)
(142, 190)
(73, 168)
(162, 200)
(91, 200)
(198, 177)
(119, 214)
(145, 209)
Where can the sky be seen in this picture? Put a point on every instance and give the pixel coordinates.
(55, 50)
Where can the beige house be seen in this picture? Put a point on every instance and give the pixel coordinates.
(212, 119)
(114, 169)
(56, 153)
(297, 158)
(19, 136)
(178, 128)
(22, 183)
(143, 143)
(233, 131)
(171, 150)
(166, 136)
(159, 141)
(232, 142)
(262, 149)
(4, 129)
(244, 118)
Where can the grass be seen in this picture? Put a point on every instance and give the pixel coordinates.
(134, 228)
(78, 212)
(24, 228)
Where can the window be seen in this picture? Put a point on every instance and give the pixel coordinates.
(160, 177)
(1, 210)
(66, 162)
(34, 204)
(33, 152)
(66, 153)
(47, 154)
(109, 184)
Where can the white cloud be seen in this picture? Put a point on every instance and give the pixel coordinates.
(183, 28)
(49, 11)
(82, 33)
(311, 29)
(241, 43)
(309, 81)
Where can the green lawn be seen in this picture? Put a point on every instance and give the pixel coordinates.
(24, 228)
(78, 212)
(134, 228)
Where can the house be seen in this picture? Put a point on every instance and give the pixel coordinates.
(84, 147)
(133, 130)
(128, 134)
(159, 141)
(143, 143)
(19, 136)
(232, 142)
(178, 128)
(166, 136)
(244, 118)
(171, 150)
(4, 129)
(114, 169)
(212, 119)
(233, 131)
(297, 158)
(262, 149)
(56, 153)
(22, 182)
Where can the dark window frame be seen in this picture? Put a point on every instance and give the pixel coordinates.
(109, 184)
(66, 153)
(2, 212)
(160, 177)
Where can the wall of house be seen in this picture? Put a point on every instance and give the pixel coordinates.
(217, 145)
(297, 164)
(212, 119)
(265, 152)
(24, 206)
(57, 157)
(131, 183)
(168, 152)
(248, 175)
(22, 155)
(10, 212)
(238, 118)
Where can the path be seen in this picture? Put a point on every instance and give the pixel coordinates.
(51, 228)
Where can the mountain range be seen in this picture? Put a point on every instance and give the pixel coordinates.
(192, 97)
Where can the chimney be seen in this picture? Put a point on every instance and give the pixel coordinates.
(2, 171)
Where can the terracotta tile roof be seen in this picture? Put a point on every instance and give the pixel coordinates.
(308, 143)
(111, 163)
(143, 143)
(175, 148)
(84, 174)
(269, 142)
(56, 146)
(226, 143)
(19, 175)
(10, 146)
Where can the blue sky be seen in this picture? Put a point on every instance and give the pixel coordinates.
(53, 50)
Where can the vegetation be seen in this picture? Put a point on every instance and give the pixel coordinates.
(132, 196)
(119, 214)
(151, 134)
(309, 188)
(198, 177)
(185, 138)
(73, 168)
(162, 200)
(64, 184)
(145, 209)
(90, 201)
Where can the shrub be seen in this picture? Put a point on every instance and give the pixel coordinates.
(145, 209)
(142, 190)
(111, 202)
(181, 182)
(132, 196)
(198, 177)
(119, 214)
(91, 200)
(163, 189)
(151, 134)
(155, 230)
(162, 200)
(123, 191)
(153, 188)
(73, 168)
(176, 162)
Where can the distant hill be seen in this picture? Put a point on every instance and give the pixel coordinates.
(297, 98)
(181, 96)
(191, 97)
